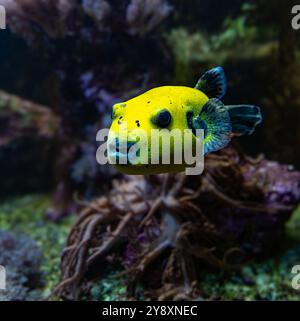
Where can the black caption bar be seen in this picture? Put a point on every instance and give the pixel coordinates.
(134, 310)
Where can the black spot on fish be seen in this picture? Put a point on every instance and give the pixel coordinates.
(189, 118)
(138, 123)
(119, 121)
(148, 102)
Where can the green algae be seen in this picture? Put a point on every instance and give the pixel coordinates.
(110, 288)
(26, 215)
(268, 280)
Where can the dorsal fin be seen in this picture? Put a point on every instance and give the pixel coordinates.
(213, 83)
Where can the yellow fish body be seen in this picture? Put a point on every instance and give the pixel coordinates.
(184, 110)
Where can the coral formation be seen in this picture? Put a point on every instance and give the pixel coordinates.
(49, 15)
(21, 117)
(98, 10)
(57, 18)
(178, 223)
(28, 135)
(268, 279)
(144, 15)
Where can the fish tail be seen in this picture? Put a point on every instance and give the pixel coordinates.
(244, 118)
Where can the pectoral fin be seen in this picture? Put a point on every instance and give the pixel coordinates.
(214, 119)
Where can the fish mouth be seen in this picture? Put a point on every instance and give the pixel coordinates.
(123, 153)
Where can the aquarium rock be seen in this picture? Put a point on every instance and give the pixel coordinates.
(22, 259)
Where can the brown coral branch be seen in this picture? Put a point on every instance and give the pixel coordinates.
(175, 224)
(109, 243)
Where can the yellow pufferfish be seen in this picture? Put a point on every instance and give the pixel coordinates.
(179, 107)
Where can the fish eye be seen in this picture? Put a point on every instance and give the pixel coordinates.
(162, 119)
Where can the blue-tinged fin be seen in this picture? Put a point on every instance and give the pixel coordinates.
(244, 118)
(213, 83)
(214, 119)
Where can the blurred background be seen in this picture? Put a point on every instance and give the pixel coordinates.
(64, 63)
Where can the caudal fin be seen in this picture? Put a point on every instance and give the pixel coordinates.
(244, 118)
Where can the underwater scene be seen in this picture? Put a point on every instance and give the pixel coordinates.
(90, 210)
